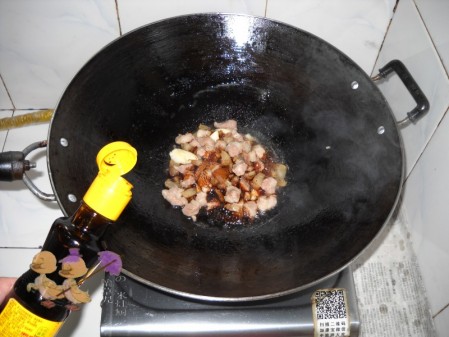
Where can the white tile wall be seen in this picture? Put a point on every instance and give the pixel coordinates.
(21, 257)
(356, 27)
(435, 16)
(28, 225)
(408, 41)
(418, 36)
(136, 13)
(427, 211)
(3, 134)
(44, 43)
(5, 102)
(442, 323)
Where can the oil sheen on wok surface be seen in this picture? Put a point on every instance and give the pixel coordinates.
(289, 89)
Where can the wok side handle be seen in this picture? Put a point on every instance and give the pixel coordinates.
(422, 103)
(36, 191)
(13, 166)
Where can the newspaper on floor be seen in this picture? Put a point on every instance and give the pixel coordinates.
(390, 291)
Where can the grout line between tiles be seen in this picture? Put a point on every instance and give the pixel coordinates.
(7, 91)
(395, 6)
(385, 36)
(427, 144)
(431, 39)
(20, 247)
(27, 109)
(118, 18)
(266, 8)
(440, 311)
(381, 45)
(4, 143)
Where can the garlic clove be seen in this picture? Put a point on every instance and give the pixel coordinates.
(180, 156)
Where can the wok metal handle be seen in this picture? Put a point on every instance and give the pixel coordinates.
(13, 166)
(422, 104)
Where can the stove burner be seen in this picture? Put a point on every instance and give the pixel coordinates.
(130, 308)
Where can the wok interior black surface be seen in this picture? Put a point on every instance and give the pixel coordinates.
(283, 85)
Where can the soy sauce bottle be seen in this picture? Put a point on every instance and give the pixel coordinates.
(43, 297)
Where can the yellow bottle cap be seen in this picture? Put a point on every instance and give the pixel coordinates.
(109, 193)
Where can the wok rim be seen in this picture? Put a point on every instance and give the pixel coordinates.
(195, 296)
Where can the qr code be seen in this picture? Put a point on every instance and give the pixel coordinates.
(330, 304)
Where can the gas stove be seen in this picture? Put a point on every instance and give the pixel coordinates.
(328, 309)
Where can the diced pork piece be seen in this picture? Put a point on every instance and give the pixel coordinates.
(239, 168)
(250, 209)
(194, 143)
(269, 185)
(183, 168)
(227, 138)
(229, 124)
(222, 168)
(220, 144)
(249, 137)
(181, 139)
(237, 208)
(207, 142)
(203, 133)
(174, 196)
(234, 149)
(171, 169)
(213, 204)
(191, 209)
(252, 156)
(259, 150)
(232, 194)
(244, 185)
(188, 181)
(201, 151)
(258, 166)
(265, 203)
(246, 146)
(169, 183)
(201, 198)
(187, 147)
(237, 136)
(246, 196)
(246, 158)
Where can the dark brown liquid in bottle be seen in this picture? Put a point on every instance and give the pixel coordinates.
(83, 230)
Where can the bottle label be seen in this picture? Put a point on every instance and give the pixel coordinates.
(74, 270)
(15, 320)
(72, 267)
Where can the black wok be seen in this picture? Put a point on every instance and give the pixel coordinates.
(313, 106)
